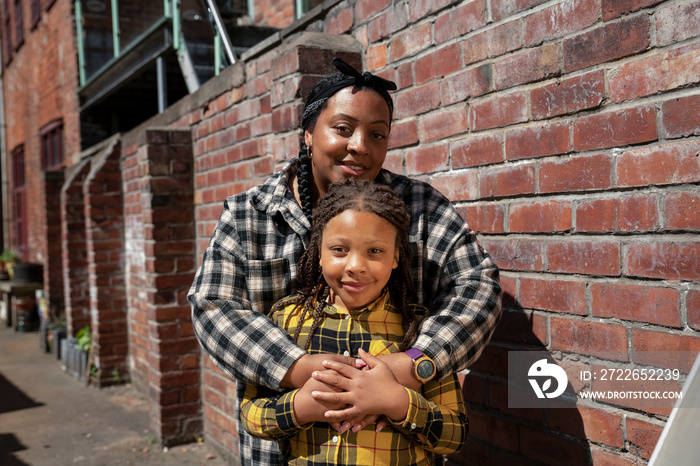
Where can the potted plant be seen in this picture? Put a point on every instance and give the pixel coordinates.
(8, 258)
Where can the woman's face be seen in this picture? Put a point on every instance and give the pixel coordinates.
(350, 137)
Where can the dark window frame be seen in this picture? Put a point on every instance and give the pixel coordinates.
(19, 201)
(35, 8)
(8, 50)
(19, 24)
(52, 146)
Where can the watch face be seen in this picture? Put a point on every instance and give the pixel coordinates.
(425, 369)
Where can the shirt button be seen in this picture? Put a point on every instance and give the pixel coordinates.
(413, 426)
(335, 439)
(346, 353)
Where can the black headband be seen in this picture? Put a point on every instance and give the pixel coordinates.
(352, 78)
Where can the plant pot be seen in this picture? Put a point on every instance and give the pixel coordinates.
(28, 272)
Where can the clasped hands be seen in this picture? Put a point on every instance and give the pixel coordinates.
(352, 393)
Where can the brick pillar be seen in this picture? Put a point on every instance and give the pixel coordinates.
(160, 244)
(104, 224)
(75, 270)
(53, 270)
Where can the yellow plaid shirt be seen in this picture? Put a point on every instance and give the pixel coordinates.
(436, 422)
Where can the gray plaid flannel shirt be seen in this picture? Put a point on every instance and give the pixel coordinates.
(251, 263)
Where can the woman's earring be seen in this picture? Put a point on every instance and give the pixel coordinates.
(309, 153)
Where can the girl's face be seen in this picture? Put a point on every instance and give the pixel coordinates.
(350, 137)
(358, 253)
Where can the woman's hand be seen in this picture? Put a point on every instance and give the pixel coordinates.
(309, 409)
(300, 372)
(365, 392)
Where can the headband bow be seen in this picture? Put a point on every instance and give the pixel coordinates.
(352, 78)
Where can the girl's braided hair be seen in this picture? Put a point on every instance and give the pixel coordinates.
(313, 108)
(313, 291)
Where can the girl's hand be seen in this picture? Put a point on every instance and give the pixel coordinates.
(365, 392)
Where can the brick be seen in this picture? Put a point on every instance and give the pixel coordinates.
(494, 360)
(437, 64)
(410, 42)
(568, 96)
(460, 86)
(377, 57)
(492, 42)
(483, 218)
(522, 327)
(631, 213)
(493, 430)
(576, 174)
(403, 133)
(508, 181)
(682, 210)
(341, 23)
(587, 337)
(472, 453)
(528, 66)
(601, 457)
(394, 19)
(660, 72)
(417, 100)
(615, 129)
(442, 123)
(553, 295)
(427, 159)
(421, 8)
(457, 186)
(515, 254)
(550, 449)
(665, 260)
(584, 257)
(498, 111)
(677, 22)
(501, 9)
(654, 305)
(642, 436)
(615, 8)
(666, 164)
(665, 349)
(538, 141)
(593, 424)
(607, 43)
(477, 150)
(498, 399)
(693, 307)
(681, 116)
(463, 19)
(540, 217)
(559, 20)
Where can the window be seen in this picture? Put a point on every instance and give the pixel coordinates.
(303, 6)
(19, 204)
(7, 33)
(52, 146)
(36, 12)
(19, 24)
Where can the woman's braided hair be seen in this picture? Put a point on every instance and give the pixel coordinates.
(316, 102)
(361, 196)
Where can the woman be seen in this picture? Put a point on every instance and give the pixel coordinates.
(250, 262)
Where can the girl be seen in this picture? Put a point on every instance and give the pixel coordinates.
(354, 298)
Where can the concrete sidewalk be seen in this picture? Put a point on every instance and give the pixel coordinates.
(50, 418)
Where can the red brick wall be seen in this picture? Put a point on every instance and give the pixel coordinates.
(274, 13)
(39, 87)
(159, 248)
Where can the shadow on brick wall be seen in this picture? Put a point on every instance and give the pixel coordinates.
(503, 435)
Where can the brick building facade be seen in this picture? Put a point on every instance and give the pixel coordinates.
(567, 133)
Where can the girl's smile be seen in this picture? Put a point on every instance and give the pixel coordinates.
(358, 254)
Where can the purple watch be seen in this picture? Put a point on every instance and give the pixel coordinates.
(423, 366)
